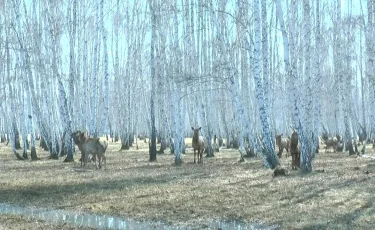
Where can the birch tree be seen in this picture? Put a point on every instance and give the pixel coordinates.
(25, 57)
(260, 93)
(94, 74)
(12, 129)
(72, 41)
(308, 149)
(104, 122)
(370, 53)
(63, 98)
(152, 5)
(305, 154)
(317, 76)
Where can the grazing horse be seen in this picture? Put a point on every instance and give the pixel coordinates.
(282, 143)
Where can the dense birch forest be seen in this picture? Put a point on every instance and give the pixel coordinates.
(244, 71)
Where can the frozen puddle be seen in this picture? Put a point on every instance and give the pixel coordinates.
(109, 222)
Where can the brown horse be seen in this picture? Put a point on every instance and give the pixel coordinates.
(295, 150)
(89, 146)
(198, 144)
(282, 143)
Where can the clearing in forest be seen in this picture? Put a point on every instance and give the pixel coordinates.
(337, 194)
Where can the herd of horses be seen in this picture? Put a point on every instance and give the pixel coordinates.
(97, 148)
(90, 146)
(291, 145)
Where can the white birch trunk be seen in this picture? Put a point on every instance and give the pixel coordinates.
(104, 125)
(317, 77)
(268, 143)
(176, 126)
(21, 107)
(115, 88)
(24, 58)
(153, 5)
(72, 31)
(370, 53)
(85, 86)
(307, 116)
(77, 108)
(9, 90)
(62, 101)
(265, 57)
(294, 106)
(94, 77)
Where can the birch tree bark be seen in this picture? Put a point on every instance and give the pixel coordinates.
(152, 5)
(104, 122)
(308, 150)
(62, 97)
(72, 67)
(11, 109)
(18, 94)
(176, 103)
(30, 123)
(115, 98)
(317, 77)
(306, 167)
(24, 54)
(160, 51)
(94, 77)
(370, 53)
(268, 143)
(264, 58)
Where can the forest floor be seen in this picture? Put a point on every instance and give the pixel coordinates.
(10, 222)
(338, 194)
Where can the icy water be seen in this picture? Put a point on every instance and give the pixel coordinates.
(109, 222)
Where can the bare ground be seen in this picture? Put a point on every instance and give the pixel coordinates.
(337, 195)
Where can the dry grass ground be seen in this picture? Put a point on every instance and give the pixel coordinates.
(338, 195)
(10, 222)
